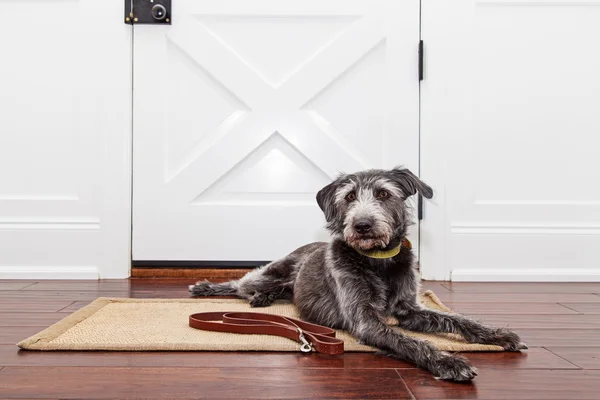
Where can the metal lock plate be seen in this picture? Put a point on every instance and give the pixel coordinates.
(148, 12)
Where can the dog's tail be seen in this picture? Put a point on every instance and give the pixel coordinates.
(205, 288)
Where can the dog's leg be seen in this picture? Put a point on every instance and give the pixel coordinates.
(261, 286)
(373, 332)
(432, 321)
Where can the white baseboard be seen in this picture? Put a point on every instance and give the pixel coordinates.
(526, 275)
(48, 272)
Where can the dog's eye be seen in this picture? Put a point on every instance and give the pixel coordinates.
(351, 196)
(383, 194)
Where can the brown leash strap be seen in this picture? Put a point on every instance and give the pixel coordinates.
(311, 336)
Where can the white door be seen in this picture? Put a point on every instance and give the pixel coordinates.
(243, 110)
(510, 139)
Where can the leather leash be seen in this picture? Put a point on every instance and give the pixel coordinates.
(311, 336)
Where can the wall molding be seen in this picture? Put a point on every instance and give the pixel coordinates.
(526, 275)
(525, 229)
(49, 224)
(49, 272)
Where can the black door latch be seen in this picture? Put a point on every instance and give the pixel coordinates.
(148, 12)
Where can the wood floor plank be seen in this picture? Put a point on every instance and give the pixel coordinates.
(17, 305)
(214, 383)
(76, 305)
(524, 287)
(161, 294)
(81, 285)
(14, 285)
(31, 295)
(14, 334)
(29, 319)
(560, 337)
(466, 297)
(435, 286)
(533, 358)
(585, 308)
(11, 356)
(509, 308)
(163, 286)
(508, 384)
(584, 357)
(573, 321)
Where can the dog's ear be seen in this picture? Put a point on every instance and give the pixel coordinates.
(326, 200)
(410, 183)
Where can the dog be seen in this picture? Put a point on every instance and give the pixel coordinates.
(365, 275)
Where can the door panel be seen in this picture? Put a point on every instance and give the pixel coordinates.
(65, 131)
(509, 139)
(244, 110)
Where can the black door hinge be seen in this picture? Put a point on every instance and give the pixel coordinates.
(420, 207)
(420, 60)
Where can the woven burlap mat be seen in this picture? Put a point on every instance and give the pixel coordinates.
(122, 324)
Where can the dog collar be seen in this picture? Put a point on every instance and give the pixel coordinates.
(383, 254)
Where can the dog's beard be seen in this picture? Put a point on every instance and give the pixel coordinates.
(377, 239)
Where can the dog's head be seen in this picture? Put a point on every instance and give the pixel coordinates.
(368, 209)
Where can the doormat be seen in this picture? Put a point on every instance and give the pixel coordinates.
(121, 324)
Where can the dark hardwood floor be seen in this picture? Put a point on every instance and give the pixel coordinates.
(559, 321)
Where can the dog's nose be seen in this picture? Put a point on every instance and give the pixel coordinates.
(362, 226)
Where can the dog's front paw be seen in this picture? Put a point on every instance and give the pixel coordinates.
(508, 340)
(201, 288)
(261, 300)
(453, 368)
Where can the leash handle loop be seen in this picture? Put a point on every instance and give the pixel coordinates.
(311, 336)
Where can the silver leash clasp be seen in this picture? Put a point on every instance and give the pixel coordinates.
(306, 346)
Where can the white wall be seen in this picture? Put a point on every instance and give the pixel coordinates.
(510, 138)
(65, 123)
